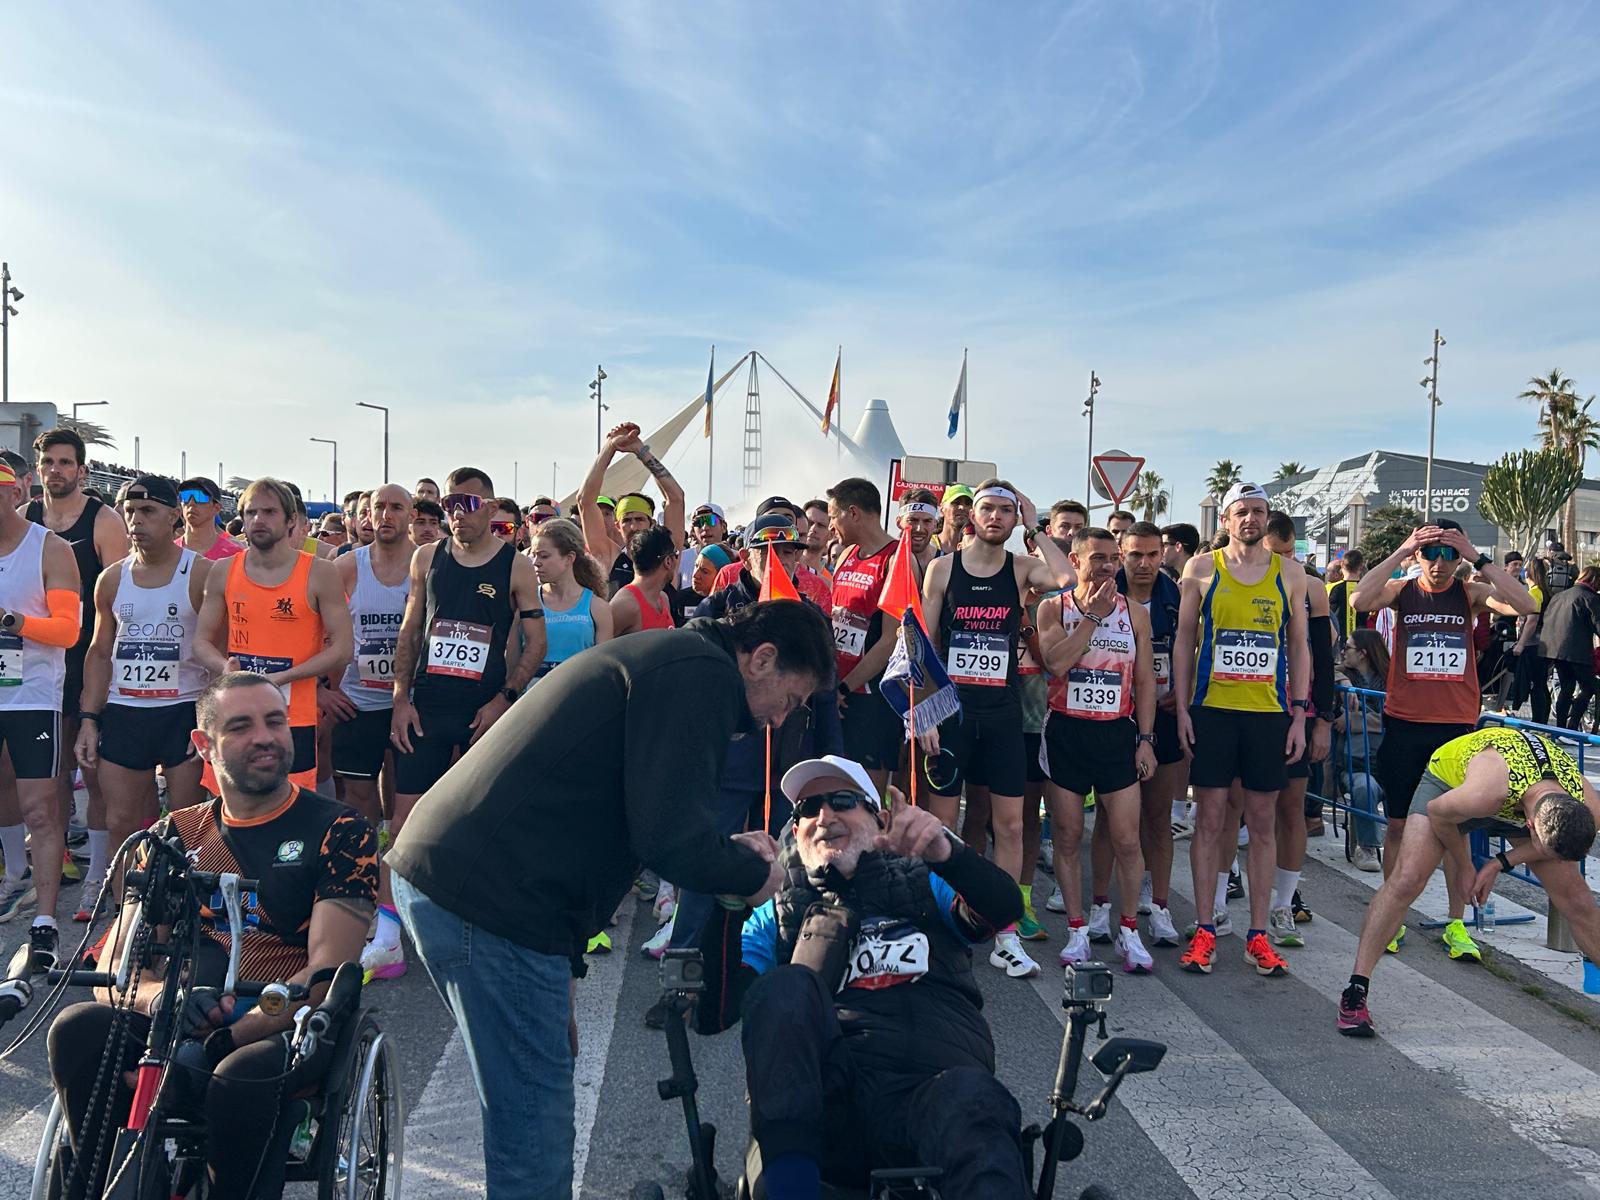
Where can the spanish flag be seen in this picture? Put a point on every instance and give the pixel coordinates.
(833, 394)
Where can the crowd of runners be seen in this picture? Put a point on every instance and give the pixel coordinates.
(1114, 677)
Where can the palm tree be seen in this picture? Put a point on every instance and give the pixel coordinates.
(91, 433)
(1565, 424)
(1150, 495)
(1223, 476)
(1287, 469)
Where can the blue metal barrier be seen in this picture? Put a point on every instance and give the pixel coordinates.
(1573, 741)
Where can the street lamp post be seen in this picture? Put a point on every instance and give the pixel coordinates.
(1431, 382)
(595, 386)
(77, 404)
(334, 443)
(1088, 411)
(7, 295)
(385, 412)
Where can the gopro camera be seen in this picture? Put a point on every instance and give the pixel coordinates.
(1087, 983)
(685, 971)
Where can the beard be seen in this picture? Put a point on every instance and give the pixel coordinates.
(255, 778)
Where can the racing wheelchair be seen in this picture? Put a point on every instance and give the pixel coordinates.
(342, 1122)
(1087, 991)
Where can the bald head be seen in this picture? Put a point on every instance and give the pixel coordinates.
(391, 514)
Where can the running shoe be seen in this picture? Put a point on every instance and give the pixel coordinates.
(71, 872)
(666, 902)
(15, 897)
(1297, 906)
(382, 962)
(1136, 959)
(1100, 923)
(1047, 857)
(1354, 1020)
(646, 885)
(42, 940)
(600, 943)
(1202, 950)
(1281, 928)
(658, 942)
(1235, 884)
(1077, 949)
(1162, 931)
(1029, 929)
(88, 898)
(1258, 952)
(1057, 902)
(1459, 942)
(1009, 956)
(1398, 940)
(1181, 831)
(1145, 898)
(1222, 919)
(383, 838)
(1365, 858)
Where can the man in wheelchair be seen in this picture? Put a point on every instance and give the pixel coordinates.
(864, 1043)
(317, 862)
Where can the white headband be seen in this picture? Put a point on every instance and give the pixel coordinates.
(997, 493)
(916, 508)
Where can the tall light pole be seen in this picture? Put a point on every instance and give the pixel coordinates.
(385, 412)
(516, 479)
(1431, 382)
(332, 442)
(77, 404)
(595, 386)
(1088, 411)
(552, 481)
(7, 295)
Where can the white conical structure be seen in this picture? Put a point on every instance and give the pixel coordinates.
(876, 441)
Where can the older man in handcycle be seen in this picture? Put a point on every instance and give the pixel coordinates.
(864, 1042)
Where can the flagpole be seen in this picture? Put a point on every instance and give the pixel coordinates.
(838, 446)
(767, 820)
(711, 428)
(911, 718)
(966, 406)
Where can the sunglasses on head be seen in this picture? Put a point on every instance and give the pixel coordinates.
(194, 496)
(328, 533)
(841, 801)
(1435, 553)
(464, 501)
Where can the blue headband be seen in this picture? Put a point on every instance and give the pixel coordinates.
(719, 555)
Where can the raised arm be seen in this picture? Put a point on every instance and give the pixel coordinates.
(673, 512)
(1376, 589)
(597, 535)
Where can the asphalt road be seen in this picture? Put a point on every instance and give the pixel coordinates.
(1475, 1086)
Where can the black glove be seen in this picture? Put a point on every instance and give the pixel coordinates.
(194, 1018)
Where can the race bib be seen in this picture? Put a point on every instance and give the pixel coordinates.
(1436, 656)
(266, 664)
(145, 670)
(1092, 693)
(1162, 660)
(459, 649)
(983, 659)
(1026, 663)
(888, 954)
(849, 633)
(10, 660)
(1245, 656)
(375, 664)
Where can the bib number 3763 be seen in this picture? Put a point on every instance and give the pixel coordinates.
(459, 649)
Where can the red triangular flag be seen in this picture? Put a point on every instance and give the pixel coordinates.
(777, 585)
(903, 589)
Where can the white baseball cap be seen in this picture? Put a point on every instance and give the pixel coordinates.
(1244, 491)
(851, 777)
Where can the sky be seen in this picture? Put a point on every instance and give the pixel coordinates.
(235, 222)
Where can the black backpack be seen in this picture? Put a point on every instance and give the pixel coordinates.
(1559, 576)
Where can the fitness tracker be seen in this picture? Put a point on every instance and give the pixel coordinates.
(1505, 863)
(510, 695)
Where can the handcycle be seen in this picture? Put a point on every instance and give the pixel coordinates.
(1086, 993)
(341, 1085)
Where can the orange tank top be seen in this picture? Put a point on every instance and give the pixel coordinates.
(649, 618)
(273, 629)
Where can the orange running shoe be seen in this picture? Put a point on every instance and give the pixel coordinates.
(1202, 949)
(1260, 954)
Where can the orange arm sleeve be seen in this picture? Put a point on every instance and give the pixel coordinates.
(62, 626)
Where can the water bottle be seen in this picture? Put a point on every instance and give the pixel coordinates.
(300, 1143)
(1486, 915)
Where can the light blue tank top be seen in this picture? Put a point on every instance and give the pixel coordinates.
(567, 631)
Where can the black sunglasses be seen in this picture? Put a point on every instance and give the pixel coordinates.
(811, 806)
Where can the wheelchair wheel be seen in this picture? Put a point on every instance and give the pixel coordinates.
(54, 1159)
(366, 1158)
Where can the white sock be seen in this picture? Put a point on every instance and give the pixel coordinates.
(1283, 886)
(99, 853)
(44, 920)
(1244, 836)
(1222, 890)
(14, 843)
(387, 934)
(1180, 810)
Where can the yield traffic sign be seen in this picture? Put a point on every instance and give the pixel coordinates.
(1116, 473)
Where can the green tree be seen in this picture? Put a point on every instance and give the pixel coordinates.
(1565, 424)
(1385, 528)
(1150, 495)
(1523, 492)
(1223, 476)
(91, 433)
(1287, 469)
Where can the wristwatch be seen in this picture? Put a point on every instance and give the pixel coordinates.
(10, 621)
(510, 695)
(1149, 739)
(1505, 863)
(1303, 705)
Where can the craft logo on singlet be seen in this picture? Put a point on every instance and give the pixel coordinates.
(486, 589)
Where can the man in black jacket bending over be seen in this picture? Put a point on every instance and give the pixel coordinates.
(864, 1045)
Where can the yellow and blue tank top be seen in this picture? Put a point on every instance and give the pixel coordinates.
(1242, 664)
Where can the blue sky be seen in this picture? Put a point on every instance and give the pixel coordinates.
(236, 222)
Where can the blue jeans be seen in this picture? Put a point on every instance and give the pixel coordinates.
(512, 1006)
(1365, 796)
